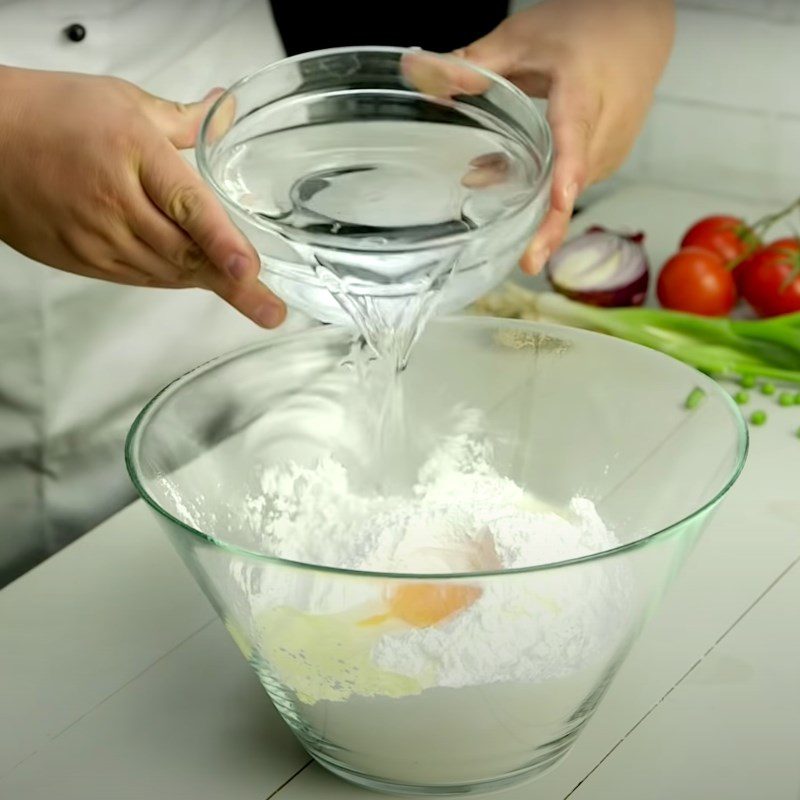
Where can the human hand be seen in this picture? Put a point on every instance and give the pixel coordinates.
(598, 63)
(91, 182)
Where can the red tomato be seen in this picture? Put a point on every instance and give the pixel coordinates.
(697, 281)
(741, 268)
(771, 283)
(730, 237)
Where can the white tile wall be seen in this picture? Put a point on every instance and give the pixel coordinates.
(780, 10)
(693, 144)
(735, 60)
(727, 112)
(786, 155)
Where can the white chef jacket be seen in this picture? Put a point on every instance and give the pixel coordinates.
(79, 357)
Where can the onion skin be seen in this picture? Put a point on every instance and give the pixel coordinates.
(631, 296)
(629, 293)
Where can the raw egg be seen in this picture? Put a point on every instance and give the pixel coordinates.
(424, 604)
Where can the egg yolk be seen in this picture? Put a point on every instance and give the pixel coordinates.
(424, 604)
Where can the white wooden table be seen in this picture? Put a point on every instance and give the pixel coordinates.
(117, 681)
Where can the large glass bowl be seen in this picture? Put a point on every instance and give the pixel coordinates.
(365, 176)
(567, 412)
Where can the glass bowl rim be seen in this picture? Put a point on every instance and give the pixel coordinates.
(332, 241)
(135, 434)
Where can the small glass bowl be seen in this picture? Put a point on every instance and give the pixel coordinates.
(369, 175)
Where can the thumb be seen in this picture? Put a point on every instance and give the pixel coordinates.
(180, 122)
(497, 51)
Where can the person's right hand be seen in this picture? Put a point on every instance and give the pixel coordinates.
(596, 61)
(91, 182)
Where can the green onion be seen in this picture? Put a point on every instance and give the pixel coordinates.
(768, 389)
(694, 399)
(742, 398)
(758, 418)
(797, 433)
(786, 399)
(769, 348)
(797, 399)
(748, 382)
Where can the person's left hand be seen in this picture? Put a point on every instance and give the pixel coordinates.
(92, 182)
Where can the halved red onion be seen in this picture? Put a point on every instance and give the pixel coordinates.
(602, 268)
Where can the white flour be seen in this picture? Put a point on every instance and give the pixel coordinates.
(463, 517)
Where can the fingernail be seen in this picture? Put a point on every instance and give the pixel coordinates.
(496, 159)
(570, 193)
(211, 92)
(536, 260)
(237, 267)
(270, 315)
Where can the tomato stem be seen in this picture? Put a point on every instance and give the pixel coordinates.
(761, 226)
(793, 275)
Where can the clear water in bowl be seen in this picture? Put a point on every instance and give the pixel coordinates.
(394, 183)
(392, 186)
(371, 203)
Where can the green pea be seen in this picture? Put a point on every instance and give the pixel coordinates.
(748, 382)
(786, 399)
(742, 398)
(758, 418)
(694, 398)
(768, 389)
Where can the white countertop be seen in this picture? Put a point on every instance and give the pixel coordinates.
(118, 681)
